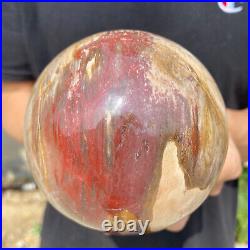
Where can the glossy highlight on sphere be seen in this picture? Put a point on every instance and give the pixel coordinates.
(125, 123)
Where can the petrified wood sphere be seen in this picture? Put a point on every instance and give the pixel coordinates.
(125, 123)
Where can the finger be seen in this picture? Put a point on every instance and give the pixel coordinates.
(232, 167)
(178, 226)
(217, 189)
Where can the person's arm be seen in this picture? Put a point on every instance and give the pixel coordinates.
(15, 96)
(237, 149)
(18, 76)
(238, 126)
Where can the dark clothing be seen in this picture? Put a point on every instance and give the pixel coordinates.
(34, 33)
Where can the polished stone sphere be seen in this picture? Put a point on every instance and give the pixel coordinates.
(129, 124)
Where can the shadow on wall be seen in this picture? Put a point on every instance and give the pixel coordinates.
(15, 174)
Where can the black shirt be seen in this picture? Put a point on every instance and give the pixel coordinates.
(33, 33)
